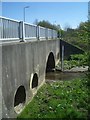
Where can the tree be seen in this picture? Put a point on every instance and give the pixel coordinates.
(47, 24)
(78, 36)
(89, 37)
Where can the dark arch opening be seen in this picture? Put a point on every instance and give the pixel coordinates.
(20, 96)
(50, 63)
(35, 81)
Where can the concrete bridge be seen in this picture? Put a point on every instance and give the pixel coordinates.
(24, 65)
(27, 53)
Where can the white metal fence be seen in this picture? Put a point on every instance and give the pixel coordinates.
(30, 31)
(9, 28)
(42, 32)
(12, 30)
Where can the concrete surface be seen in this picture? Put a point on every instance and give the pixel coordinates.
(69, 49)
(20, 62)
(0, 82)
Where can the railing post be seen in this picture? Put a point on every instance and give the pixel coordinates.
(46, 33)
(22, 31)
(52, 34)
(1, 30)
(38, 32)
(62, 61)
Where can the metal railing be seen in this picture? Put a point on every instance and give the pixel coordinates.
(54, 34)
(9, 28)
(30, 31)
(50, 33)
(13, 30)
(42, 32)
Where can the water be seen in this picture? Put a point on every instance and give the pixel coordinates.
(57, 75)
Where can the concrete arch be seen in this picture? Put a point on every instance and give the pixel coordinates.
(19, 99)
(34, 82)
(50, 63)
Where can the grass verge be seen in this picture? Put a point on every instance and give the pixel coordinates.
(63, 99)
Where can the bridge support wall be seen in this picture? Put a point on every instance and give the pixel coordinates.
(22, 64)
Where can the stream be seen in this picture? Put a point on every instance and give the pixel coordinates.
(57, 75)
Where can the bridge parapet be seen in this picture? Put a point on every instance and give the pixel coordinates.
(21, 31)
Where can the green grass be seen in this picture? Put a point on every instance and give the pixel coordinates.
(63, 99)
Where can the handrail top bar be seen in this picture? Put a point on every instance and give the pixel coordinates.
(53, 30)
(17, 20)
(46, 28)
(30, 24)
(9, 19)
(50, 29)
(43, 27)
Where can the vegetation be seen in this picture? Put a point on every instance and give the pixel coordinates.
(47, 24)
(56, 100)
(63, 99)
(78, 36)
(76, 60)
(89, 45)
